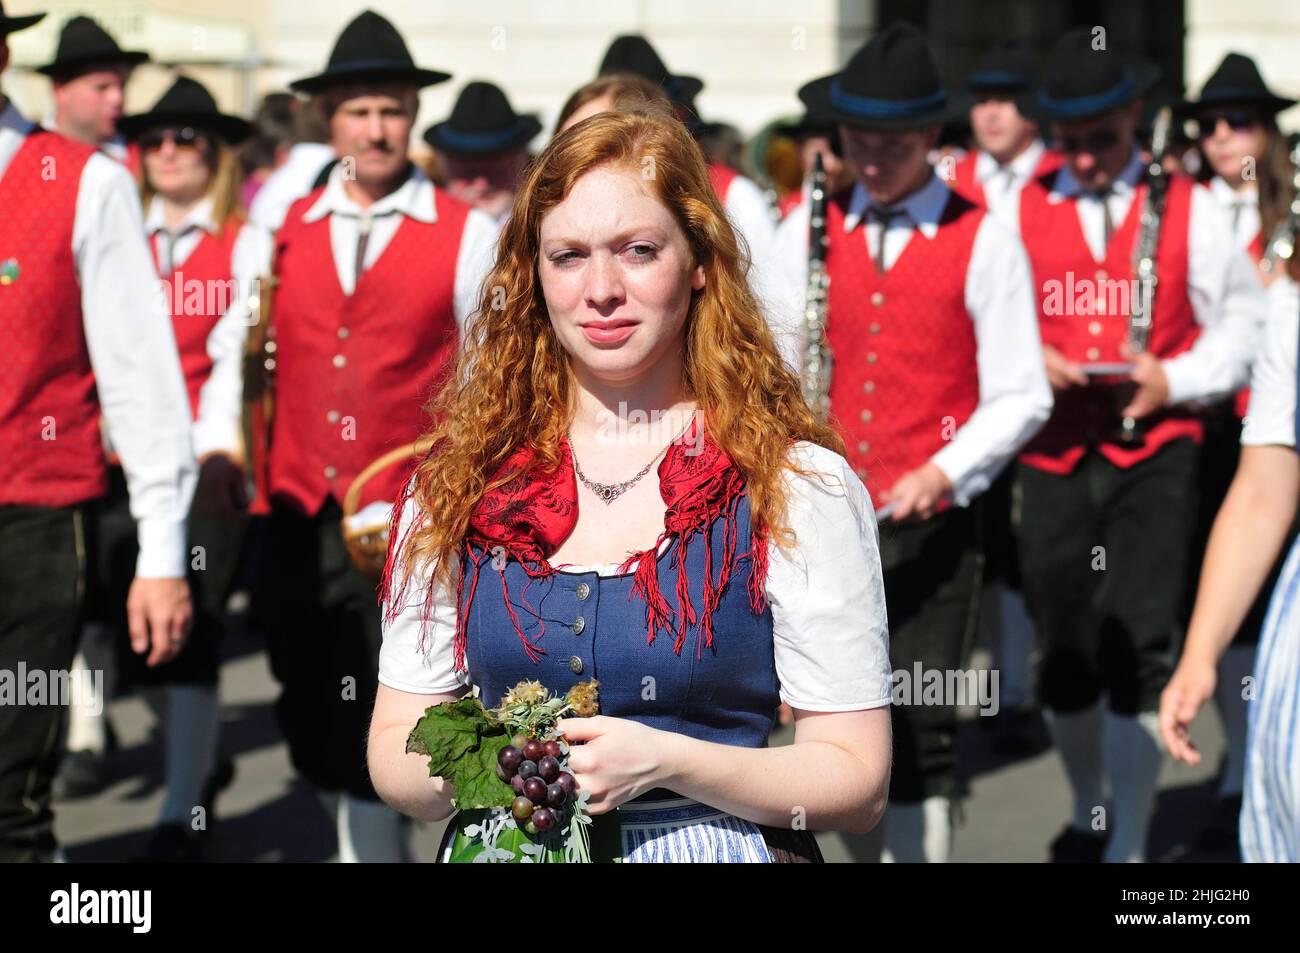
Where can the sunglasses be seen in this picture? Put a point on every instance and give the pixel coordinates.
(1238, 120)
(185, 138)
(1097, 142)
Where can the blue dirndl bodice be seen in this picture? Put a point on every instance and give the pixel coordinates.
(592, 626)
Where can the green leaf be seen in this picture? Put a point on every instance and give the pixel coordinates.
(462, 742)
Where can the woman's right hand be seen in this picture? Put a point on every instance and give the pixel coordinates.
(1190, 688)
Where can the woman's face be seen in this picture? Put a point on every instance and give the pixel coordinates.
(617, 275)
(1233, 139)
(176, 167)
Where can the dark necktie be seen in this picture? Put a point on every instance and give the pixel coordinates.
(363, 238)
(884, 216)
(1107, 226)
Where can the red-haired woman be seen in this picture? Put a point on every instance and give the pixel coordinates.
(628, 486)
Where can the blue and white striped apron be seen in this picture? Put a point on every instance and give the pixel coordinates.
(1270, 810)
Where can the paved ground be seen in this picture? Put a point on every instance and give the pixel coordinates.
(1013, 810)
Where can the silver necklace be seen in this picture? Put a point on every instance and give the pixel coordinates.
(609, 492)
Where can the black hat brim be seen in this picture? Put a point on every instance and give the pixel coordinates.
(1268, 101)
(14, 24)
(63, 67)
(230, 129)
(444, 138)
(363, 73)
(817, 96)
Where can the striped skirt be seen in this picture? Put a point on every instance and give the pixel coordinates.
(1270, 809)
(677, 831)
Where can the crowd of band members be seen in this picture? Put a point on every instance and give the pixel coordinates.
(981, 423)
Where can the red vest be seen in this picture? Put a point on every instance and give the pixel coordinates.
(903, 374)
(789, 202)
(966, 185)
(353, 373)
(206, 292)
(50, 449)
(722, 176)
(1082, 314)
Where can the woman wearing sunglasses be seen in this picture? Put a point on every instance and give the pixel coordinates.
(199, 241)
(1246, 163)
(1246, 167)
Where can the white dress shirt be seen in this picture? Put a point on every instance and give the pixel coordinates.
(1222, 283)
(132, 353)
(1015, 399)
(1241, 207)
(1270, 418)
(289, 182)
(412, 199)
(1001, 182)
(218, 425)
(747, 209)
(829, 628)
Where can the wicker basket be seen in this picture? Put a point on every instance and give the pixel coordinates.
(367, 546)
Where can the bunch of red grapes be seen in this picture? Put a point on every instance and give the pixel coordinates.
(532, 768)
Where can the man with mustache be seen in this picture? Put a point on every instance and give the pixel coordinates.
(376, 274)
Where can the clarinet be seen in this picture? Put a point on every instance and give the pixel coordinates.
(816, 373)
(1281, 244)
(1139, 321)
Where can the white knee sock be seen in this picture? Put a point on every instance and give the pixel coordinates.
(918, 833)
(1015, 650)
(1133, 756)
(370, 832)
(1235, 665)
(1077, 735)
(192, 722)
(86, 729)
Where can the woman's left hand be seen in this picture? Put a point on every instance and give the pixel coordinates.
(615, 759)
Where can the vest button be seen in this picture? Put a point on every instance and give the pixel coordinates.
(578, 625)
(1093, 353)
(871, 358)
(584, 591)
(875, 327)
(865, 416)
(869, 387)
(332, 416)
(340, 360)
(343, 333)
(1102, 274)
(1094, 327)
(330, 473)
(863, 446)
(575, 665)
(877, 299)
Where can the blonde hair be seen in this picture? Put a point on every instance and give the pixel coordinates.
(624, 90)
(513, 383)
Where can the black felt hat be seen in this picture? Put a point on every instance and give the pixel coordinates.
(187, 103)
(82, 43)
(1085, 77)
(1237, 80)
(482, 122)
(369, 49)
(891, 83)
(10, 24)
(1012, 64)
(632, 53)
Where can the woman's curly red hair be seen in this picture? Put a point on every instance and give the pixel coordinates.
(512, 383)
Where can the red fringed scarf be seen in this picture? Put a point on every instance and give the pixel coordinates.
(531, 515)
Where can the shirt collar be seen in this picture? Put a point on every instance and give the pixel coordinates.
(1022, 166)
(1227, 196)
(1067, 186)
(923, 207)
(200, 216)
(413, 198)
(11, 120)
